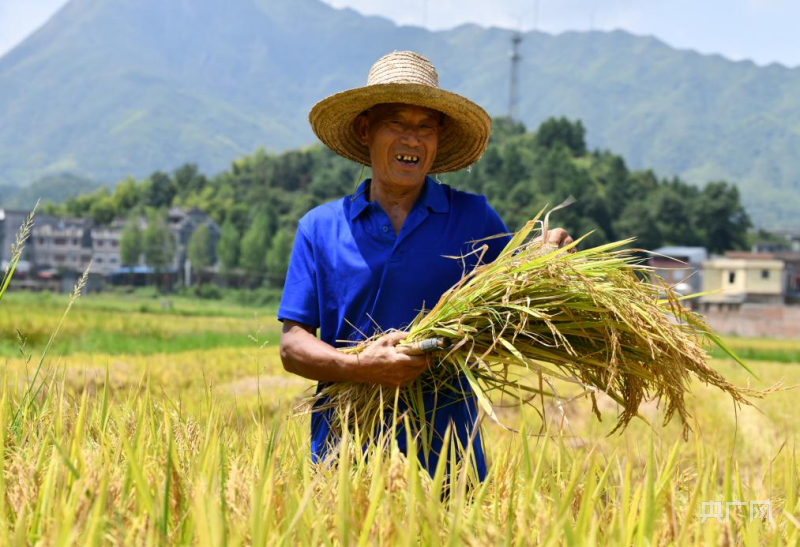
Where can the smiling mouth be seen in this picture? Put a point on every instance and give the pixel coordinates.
(407, 159)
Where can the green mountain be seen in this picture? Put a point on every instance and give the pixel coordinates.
(56, 188)
(107, 89)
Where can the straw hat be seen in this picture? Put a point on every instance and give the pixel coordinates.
(404, 77)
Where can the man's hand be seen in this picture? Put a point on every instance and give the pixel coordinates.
(381, 363)
(559, 237)
(304, 354)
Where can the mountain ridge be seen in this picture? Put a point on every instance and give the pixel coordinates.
(130, 87)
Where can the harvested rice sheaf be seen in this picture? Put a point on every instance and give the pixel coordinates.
(597, 317)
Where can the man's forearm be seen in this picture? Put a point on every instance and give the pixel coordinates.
(304, 354)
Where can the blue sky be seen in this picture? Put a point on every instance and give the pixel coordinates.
(764, 31)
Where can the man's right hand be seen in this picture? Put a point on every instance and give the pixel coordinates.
(381, 363)
(304, 354)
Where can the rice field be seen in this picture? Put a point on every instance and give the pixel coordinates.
(125, 324)
(191, 439)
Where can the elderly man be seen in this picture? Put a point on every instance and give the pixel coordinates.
(371, 261)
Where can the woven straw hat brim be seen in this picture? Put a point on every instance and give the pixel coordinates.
(462, 142)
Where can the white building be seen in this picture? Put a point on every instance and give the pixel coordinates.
(105, 247)
(61, 244)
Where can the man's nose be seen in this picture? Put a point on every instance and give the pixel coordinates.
(409, 136)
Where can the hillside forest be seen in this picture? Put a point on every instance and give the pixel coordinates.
(259, 199)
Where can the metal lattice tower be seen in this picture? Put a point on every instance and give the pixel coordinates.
(516, 38)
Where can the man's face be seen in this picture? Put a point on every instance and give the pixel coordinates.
(402, 141)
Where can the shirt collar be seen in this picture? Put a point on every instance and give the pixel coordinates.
(433, 197)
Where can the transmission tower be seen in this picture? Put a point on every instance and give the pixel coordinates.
(516, 38)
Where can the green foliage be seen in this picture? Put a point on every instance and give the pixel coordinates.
(199, 248)
(561, 132)
(127, 195)
(102, 210)
(130, 243)
(188, 179)
(263, 194)
(228, 246)
(722, 217)
(159, 190)
(208, 291)
(255, 243)
(158, 245)
(521, 172)
(277, 260)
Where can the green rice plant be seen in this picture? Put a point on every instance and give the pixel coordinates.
(114, 325)
(38, 382)
(41, 375)
(16, 250)
(591, 317)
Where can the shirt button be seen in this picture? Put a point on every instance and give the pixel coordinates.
(385, 228)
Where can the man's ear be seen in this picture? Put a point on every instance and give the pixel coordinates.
(362, 128)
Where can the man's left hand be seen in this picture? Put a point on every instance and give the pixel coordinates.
(558, 236)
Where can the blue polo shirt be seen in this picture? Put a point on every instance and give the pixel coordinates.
(349, 273)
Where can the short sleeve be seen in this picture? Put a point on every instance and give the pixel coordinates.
(300, 300)
(494, 225)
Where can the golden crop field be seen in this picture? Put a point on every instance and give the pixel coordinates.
(192, 439)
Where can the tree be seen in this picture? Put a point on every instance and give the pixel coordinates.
(228, 246)
(672, 214)
(130, 243)
(721, 217)
(127, 195)
(159, 190)
(188, 179)
(103, 211)
(158, 245)
(560, 131)
(253, 249)
(513, 169)
(199, 248)
(491, 163)
(504, 127)
(636, 221)
(277, 260)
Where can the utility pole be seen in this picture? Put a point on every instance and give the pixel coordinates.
(516, 38)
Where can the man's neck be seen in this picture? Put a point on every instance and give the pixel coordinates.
(396, 201)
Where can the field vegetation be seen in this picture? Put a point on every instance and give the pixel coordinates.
(139, 324)
(195, 442)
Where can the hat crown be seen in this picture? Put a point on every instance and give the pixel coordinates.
(403, 67)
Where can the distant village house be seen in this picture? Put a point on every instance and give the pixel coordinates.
(60, 249)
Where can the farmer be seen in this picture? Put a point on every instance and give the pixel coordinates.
(371, 261)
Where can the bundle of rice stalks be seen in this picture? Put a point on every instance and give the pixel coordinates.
(597, 317)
